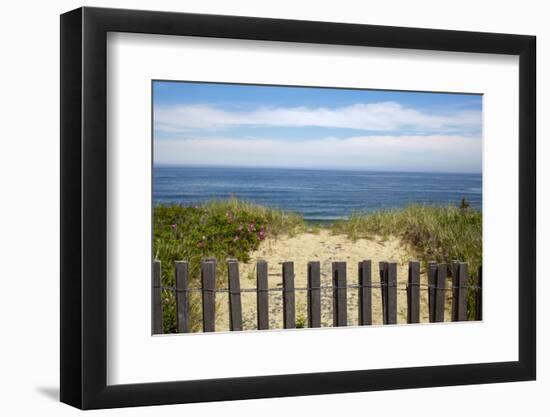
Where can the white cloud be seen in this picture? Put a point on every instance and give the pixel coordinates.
(383, 116)
(450, 153)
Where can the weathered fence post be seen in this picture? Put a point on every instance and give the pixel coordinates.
(208, 278)
(289, 307)
(212, 259)
(182, 296)
(391, 293)
(432, 273)
(478, 295)
(365, 292)
(262, 299)
(455, 270)
(339, 294)
(437, 277)
(235, 308)
(314, 294)
(383, 268)
(460, 292)
(439, 295)
(156, 300)
(413, 293)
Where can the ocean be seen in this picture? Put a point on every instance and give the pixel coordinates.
(319, 195)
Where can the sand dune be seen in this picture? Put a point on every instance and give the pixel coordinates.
(326, 248)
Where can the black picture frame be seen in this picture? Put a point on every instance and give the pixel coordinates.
(84, 207)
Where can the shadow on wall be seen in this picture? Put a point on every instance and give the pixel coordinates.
(50, 392)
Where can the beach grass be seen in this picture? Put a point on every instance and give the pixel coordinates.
(438, 233)
(234, 228)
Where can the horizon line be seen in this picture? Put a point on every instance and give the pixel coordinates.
(162, 165)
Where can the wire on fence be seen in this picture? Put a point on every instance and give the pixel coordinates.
(322, 288)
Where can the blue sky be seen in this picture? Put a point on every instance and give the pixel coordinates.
(305, 127)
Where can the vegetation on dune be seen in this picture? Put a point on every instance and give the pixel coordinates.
(219, 229)
(440, 233)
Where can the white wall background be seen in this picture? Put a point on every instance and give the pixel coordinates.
(29, 219)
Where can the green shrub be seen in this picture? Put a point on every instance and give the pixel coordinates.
(219, 229)
(301, 321)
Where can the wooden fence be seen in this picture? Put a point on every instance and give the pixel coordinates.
(436, 287)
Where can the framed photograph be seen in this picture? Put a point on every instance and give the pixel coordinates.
(256, 208)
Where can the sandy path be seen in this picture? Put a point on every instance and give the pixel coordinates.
(326, 248)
